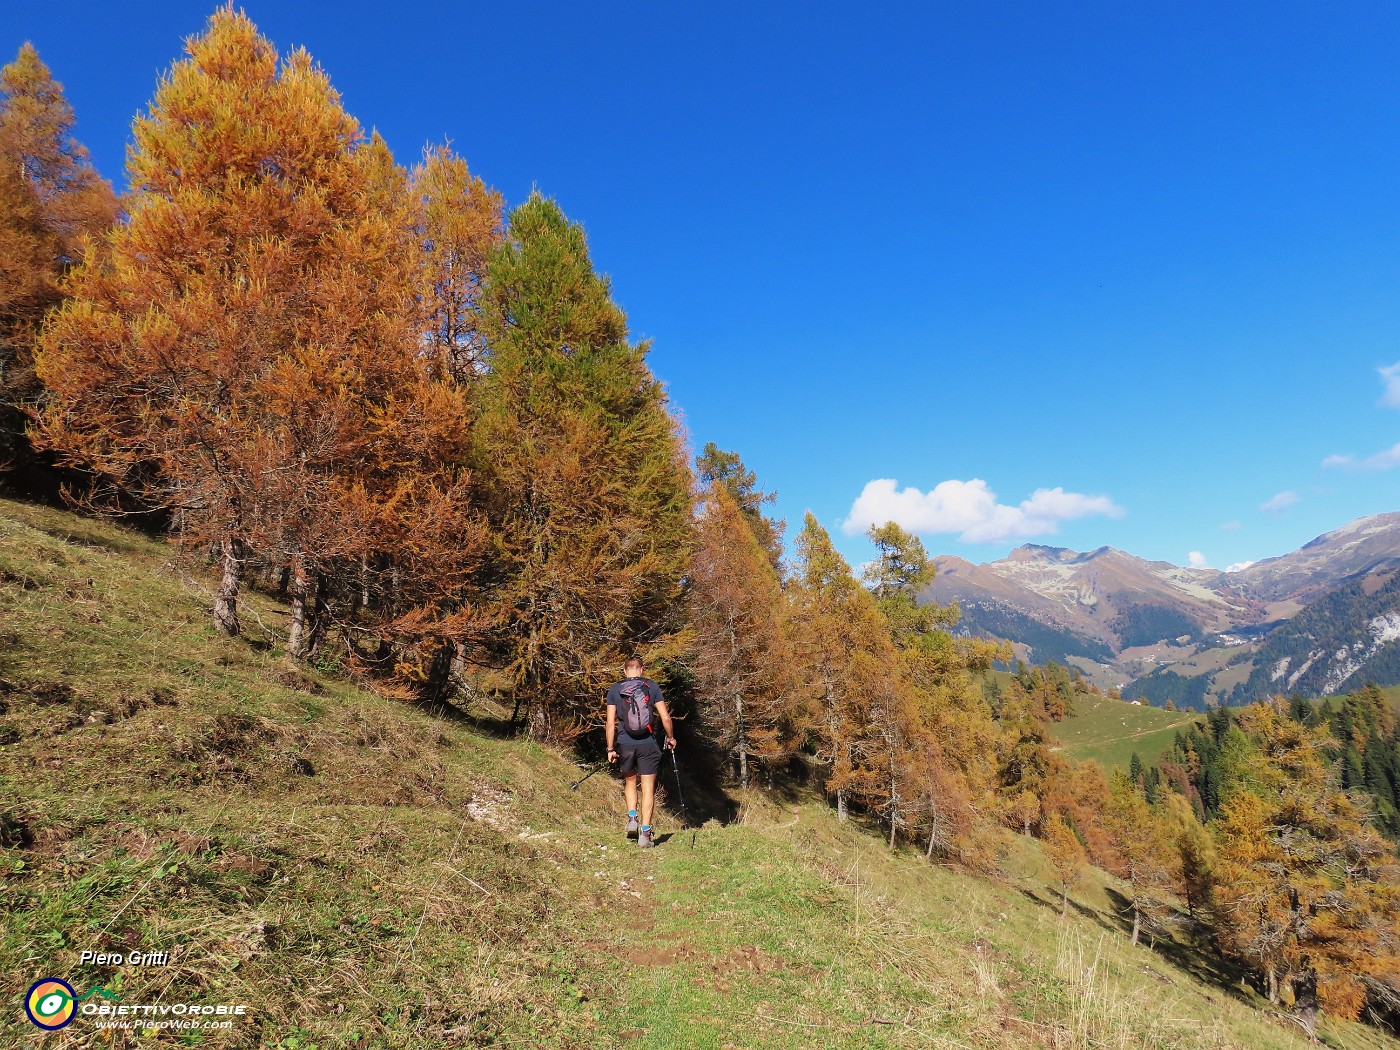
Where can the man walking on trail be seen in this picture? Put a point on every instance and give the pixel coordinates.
(634, 705)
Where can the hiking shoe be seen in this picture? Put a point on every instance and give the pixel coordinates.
(644, 838)
(632, 827)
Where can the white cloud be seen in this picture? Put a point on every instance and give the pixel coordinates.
(1383, 460)
(1278, 503)
(1390, 378)
(970, 508)
(1197, 560)
(1065, 506)
(1238, 566)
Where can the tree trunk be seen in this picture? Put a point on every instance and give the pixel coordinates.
(226, 600)
(1271, 983)
(894, 809)
(1137, 923)
(1305, 1005)
(932, 827)
(742, 743)
(439, 676)
(539, 722)
(1064, 899)
(364, 581)
(538, 715)
(320, 615)
(296, 633)
(841, 804)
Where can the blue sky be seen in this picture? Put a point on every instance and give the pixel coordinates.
(1147, 256)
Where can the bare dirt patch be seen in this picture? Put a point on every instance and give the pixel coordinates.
(657, 956)
(293, 679)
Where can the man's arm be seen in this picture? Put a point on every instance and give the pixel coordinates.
(612, 732)
(665, 713)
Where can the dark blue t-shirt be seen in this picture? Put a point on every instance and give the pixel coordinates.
(615, 699)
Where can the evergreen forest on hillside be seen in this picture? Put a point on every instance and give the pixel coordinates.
(1329, 627)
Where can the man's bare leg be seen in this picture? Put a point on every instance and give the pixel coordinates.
(648, 797)
(631, 790)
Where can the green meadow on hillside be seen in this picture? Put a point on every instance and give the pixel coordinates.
(364, 873)
(1393, 692)
(1109, 731)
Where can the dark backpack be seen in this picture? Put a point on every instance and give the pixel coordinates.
(636, 708)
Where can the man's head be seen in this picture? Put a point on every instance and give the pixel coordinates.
(634, 668)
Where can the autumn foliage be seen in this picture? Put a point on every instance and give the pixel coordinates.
(52, 204)
(1306, 890)
(243, 353)
(741, 640)
(423, 421)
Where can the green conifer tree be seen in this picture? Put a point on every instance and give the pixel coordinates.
(715, 466)
(582, 477)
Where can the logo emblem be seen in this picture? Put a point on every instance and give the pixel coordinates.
(49, 1003)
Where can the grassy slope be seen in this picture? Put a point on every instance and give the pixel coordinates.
(1393, 691)
(428, 885)
(1109, 731)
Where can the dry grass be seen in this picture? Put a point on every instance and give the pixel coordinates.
(1099, 1012)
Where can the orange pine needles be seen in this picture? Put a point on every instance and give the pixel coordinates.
(245, 353)
(52, 203)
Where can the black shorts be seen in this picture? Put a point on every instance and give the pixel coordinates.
(638, 756)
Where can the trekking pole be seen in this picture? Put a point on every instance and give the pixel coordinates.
(680, 797)
(580, 780)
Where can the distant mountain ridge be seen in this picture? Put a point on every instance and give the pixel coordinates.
(1337, 644)
(1164, 631)
(1313, 569)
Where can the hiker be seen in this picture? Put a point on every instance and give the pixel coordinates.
(634, 704)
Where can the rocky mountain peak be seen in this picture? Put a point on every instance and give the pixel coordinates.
(1189, 632)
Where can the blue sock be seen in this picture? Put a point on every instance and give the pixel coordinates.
(631, 812)
(646, 827)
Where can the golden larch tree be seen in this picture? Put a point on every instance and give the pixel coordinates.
(1305, 889)
(938, 741)
(1141, 850)
(244, 353)
(52, 203)
(739, 653)
(849, 671)
(459, 224)
(1065, 855)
